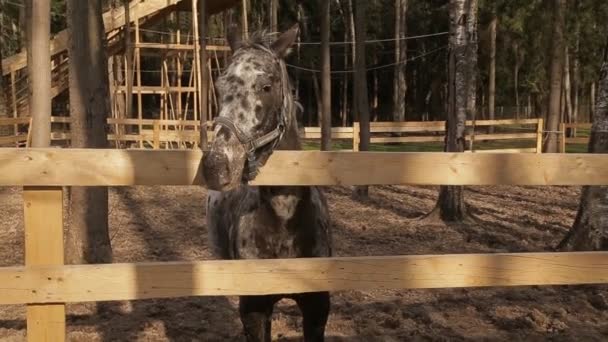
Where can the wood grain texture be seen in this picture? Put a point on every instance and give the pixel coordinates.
(81, 283)
(43, 220)
(86, 167)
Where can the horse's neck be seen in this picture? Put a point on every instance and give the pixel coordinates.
(291, 137)
(291, 140)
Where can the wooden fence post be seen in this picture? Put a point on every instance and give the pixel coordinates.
(356, 136)
(539, 136)
(28, 141)
(156, 135)
(43, 218)
(562, 135)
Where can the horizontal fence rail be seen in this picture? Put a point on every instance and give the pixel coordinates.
(86, 167)
(184, 134)
(84, 283)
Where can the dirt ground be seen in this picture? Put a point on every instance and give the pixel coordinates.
(167, 223)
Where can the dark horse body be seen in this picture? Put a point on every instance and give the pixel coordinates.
(257, 116)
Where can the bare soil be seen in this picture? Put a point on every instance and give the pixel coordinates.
(167, 223)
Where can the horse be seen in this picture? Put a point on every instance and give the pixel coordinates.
(257, 115)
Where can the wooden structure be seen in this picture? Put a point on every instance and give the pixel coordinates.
(434, 131)
(45, 284)
(183, 134)
(565, 139)
(165, 86)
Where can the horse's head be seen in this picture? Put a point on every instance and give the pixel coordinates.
(256, 108)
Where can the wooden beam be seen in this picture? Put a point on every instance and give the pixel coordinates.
(580, 140)
(180, 47)
(505, 136)
(83, 283)
(14, 121)
(384, 140)
(508, 150)
(43, 220)
(89, 167)
(12, 139)
(577, 125)
(334, 135)
(503, 122)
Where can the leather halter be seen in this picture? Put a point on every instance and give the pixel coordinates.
(274, 137)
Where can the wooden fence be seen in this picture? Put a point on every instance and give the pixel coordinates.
(180, 134)
(565, 139)
(45, 284)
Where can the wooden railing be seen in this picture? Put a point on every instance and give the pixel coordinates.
(180, 134)
(45, 284)
(565, 139)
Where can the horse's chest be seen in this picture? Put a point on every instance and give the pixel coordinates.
(261, 242)
(265, 233)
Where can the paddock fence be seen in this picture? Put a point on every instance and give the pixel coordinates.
(573, 133)
(44, 284)
(184, 134)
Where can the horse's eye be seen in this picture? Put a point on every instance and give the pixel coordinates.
(267, 88)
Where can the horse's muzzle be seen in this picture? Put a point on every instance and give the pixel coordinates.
(217, 173)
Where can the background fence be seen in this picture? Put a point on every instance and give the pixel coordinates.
(520, 135)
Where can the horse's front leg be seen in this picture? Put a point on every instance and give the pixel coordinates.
(315, 311)
(256, 315)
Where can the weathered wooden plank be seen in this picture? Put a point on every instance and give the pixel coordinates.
(156, 89)
(508, 150)
(502, 122)
(381, 140)
(333, 129)
(119, 121)
(334, 135)
(579, 140)
(578, 125)
(43, 220)
(14, 121)
(82, 167)
(12, 139)
(61, 119)
(186, 47)
(82, 283)
(504, 136)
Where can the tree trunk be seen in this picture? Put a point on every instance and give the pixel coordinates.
(245, 18)
(462, 80)
(325, 76)
(592, 99)
(274, 13)
(557, 58)
(87, 239)
(129, 64)
(399, 84)
(518, 63)
(4, 90)
(353, 36)
(39, 70)
(590, 229)
(361, 94)
(567, 90)
(492, 73)
(576, 76)
(204, 72)
(319, 98)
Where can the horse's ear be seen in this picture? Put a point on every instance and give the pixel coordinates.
(235, 37)
(285, 41)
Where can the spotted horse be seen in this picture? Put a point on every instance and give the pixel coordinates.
(258, 116)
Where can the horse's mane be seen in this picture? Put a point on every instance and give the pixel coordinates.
(257, 38)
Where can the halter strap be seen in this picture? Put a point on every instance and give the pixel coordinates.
(273, 137)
